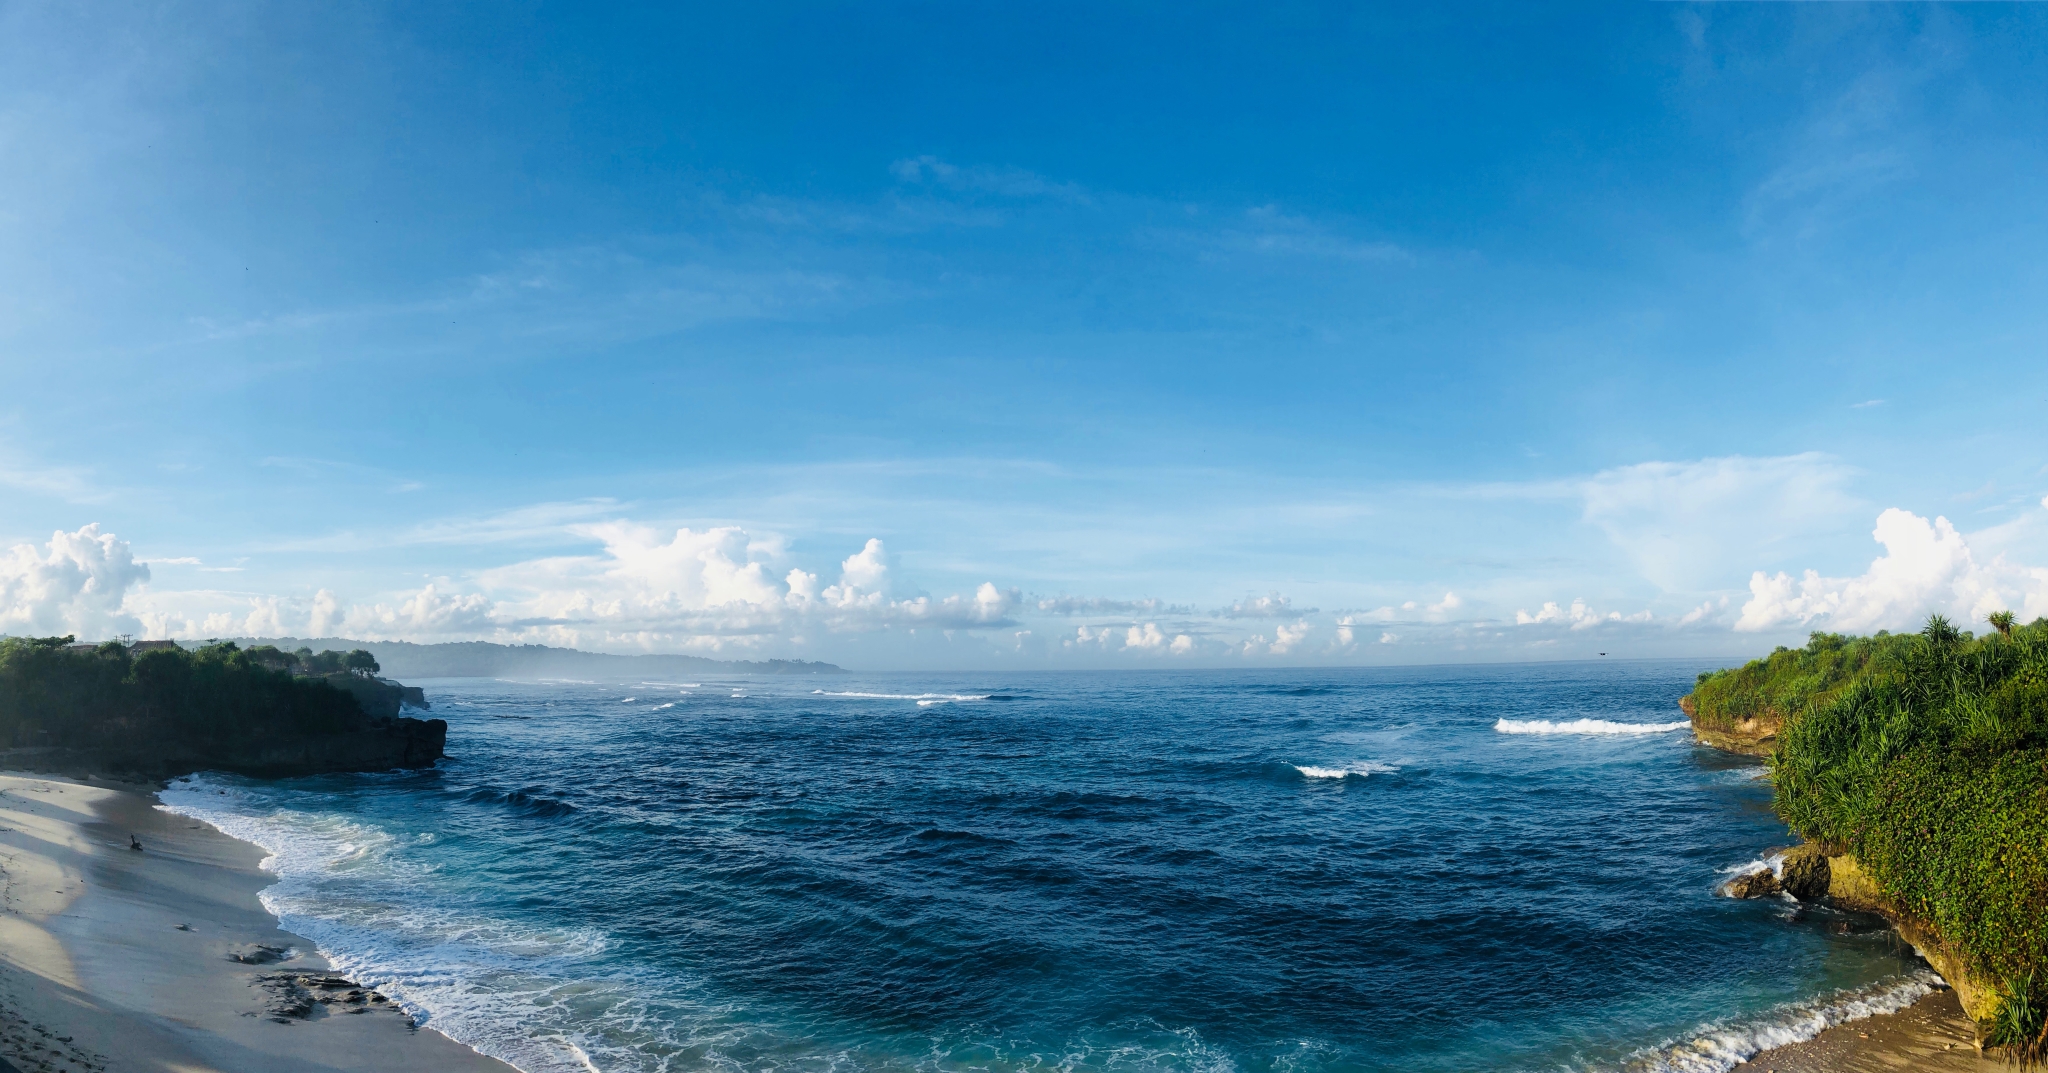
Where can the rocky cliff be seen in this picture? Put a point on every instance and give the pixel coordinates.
(379, 745)
(1754, 735)
(1809, 874)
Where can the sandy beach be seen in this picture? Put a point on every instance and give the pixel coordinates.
(122, 960)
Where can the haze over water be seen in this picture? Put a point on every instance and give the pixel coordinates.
(1469, 868)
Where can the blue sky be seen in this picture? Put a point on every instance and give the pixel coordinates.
(1129, 334)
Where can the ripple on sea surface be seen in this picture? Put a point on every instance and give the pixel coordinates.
(1323, 870)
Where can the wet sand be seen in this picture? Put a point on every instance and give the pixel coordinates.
(124, 961)
(1930, 1036)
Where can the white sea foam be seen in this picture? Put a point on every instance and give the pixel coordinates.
(924, 700)
(627, 700)
(1722, 1045)
(349, 888)
(1362, 770)
(659, 707)
(1584, 726)
(1774, 864)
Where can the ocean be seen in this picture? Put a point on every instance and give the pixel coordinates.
(1302, 871)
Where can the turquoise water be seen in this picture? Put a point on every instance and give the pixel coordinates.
(1475, 868)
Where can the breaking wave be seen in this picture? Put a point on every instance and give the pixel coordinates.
(1721, 1046)
(1362, 770)
(1584, 726)
(924, 700)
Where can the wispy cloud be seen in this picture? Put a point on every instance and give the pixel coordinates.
(1004, 181)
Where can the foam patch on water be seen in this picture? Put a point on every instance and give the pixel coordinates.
(1774, 864)
(1721, 1046)
(347, 887)
(1362, 770)
(924, 700)
(1585, 726)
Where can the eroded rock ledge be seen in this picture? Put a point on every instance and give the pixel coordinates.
(1810, 874)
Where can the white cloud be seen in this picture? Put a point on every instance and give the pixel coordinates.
(1002, 181)
(1689, 525)
(1927, 568)
(78, 584)
(1579, 616)
(326, 617)
(1389, 638)
(1147, 637)
(1286, 637)
(1272, 605)
(1096, 605)
(1448, 604)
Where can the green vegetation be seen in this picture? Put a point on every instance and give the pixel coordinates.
(304, 661)
(150, 707)
(1926, 756)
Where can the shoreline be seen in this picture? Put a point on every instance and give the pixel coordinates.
(1931, 1035)
(115, 960)
(97, 976)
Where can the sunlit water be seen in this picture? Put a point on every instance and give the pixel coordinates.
(1491, 868)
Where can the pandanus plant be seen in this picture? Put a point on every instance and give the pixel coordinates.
(2002, 622)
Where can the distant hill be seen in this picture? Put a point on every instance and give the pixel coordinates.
(480, 659)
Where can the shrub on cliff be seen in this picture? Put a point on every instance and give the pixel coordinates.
(1788, 680)
(1925, 755)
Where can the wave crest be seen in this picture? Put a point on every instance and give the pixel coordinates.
(1585, 726)
(1362, 770)
(1721, 1046)
(924, 700)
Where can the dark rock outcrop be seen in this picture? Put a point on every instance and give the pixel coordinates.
(1804, 873)
(1759, 884)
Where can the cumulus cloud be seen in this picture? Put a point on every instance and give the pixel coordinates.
(1579, 616)
(682, 589)
(78, 583)
(1140, 637)
(1927, 568)
(1285, 637)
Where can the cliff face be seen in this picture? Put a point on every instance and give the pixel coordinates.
(380, 698)
(382, 745)
(1756, 735)
(1810, 874)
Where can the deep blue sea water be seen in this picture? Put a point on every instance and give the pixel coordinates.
(1470, 868)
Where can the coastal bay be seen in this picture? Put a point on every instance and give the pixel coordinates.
(115, 959)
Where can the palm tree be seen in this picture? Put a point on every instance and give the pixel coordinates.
(2002, 622)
